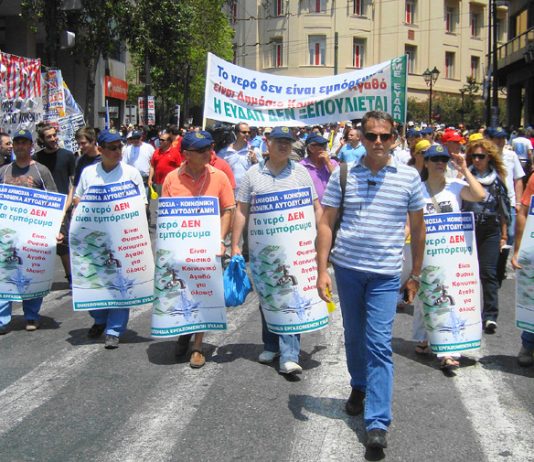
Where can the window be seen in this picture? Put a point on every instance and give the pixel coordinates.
(278, 53)
(409, 16)
(475, 68)
(317, 6)
(278, 7)
(358, 7)
(317, 47)
(358, 53)
(411, 52)
(450, 20)
(449, 65)
(475, 25)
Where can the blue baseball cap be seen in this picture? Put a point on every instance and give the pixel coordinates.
(427, 131)
(315, 138)
(26, 134)
(436, 150)
(196, 140)
(497, 132)
(109, 136)
(413, 133)
(282, 133)
(136, 134)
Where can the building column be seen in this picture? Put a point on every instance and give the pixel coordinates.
(528, 106)
(513, 115)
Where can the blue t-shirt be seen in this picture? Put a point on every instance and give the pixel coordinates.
(349, 154)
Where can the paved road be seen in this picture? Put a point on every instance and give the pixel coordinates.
(63, 398)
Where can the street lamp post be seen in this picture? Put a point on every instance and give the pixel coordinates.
(462, 108)
(430, 77)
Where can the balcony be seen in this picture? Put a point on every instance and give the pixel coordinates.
(515, 49)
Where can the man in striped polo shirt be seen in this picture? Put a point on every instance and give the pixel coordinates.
(278, 173)
(367, 257)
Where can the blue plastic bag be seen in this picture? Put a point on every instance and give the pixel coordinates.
(236, 282)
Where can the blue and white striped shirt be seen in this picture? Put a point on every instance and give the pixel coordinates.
(371, 236)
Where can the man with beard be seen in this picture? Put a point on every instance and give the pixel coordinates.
(6, 148)
(86, 139)
(61, 163)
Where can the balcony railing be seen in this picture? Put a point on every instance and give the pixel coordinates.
(515, 49)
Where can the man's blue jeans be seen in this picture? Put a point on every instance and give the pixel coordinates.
(30, 307)
(115, 320)
(287, 345)
(368, 304)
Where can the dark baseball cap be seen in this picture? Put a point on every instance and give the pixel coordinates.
(26, 134)
(196, 140)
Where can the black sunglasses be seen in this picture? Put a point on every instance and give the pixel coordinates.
(245, 132)
(437, 159)
(374, 136)
(478, 156)
(163, 140)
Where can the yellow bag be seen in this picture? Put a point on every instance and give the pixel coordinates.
(153, 194)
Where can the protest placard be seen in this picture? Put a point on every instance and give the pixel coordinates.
(524, 304)
(111, 255)
(282, 260)
(450, 284)
(189, 293)
(30, 220)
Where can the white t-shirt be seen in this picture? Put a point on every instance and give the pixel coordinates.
(138, 157)
(514, 171)
(448, 199)
(95, 175)
(521, 146)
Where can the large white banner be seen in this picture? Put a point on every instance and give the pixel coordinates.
(189, 292)
(282, 259)
(524, 311)
(30, 220)
(20, 93)
(235, 94)
(111, 256)
(450, 284)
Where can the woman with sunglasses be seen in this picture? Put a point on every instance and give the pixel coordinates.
(490, 222)
(443, 195)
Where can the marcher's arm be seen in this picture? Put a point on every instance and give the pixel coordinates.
(150, 176)
(240, 220)
(323, 244)
(474, 192)
(520, 221)
(518, 187)
(318, 209)
(418, 236)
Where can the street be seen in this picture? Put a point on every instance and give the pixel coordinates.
(65, 398)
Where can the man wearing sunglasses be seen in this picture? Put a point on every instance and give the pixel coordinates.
(239, 154)
(367, 258)
(110, 170)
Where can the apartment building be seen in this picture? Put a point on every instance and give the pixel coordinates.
(312, 38)
(515, 60)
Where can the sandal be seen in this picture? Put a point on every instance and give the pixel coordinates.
(197, 359)
(448, 363)
(422, 348)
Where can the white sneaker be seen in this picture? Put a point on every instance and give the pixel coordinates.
(290, 367)
(267, 357)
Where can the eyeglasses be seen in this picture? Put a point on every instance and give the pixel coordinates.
(163, 140)
(478, 156)
(436, 159)
(374, 136)
(245, 132)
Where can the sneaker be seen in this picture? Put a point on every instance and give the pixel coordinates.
(290, 367)
(354, 405)
(32, 325)
(112, 342)
(3, 330)
(525, 358)
(376, 439)
(267, 357)
(490, 327)
(96, 330)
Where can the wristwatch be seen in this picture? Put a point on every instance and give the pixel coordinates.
(415, 278)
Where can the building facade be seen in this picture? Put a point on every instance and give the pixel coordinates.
(312, 38)
(515, 61)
